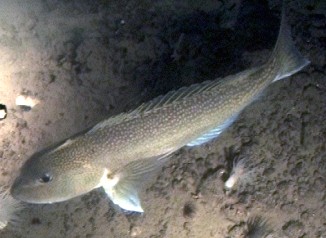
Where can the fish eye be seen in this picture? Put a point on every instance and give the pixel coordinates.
(45, 178)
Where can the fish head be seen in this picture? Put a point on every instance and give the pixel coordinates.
(54, 177)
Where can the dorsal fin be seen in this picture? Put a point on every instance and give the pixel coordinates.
(177, 95)
(158, 102)
(63, 145)
(167, 99)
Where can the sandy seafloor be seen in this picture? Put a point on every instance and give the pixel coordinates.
(82, 61)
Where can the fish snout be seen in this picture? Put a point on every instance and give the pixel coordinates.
(15, 188)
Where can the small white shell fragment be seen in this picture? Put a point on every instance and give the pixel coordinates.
(3, 114)
(26, 101)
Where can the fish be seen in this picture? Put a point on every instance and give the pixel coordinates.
(123, 153)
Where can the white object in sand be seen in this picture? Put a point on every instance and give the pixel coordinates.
(26, 101)
(3, 114)
(239, 171)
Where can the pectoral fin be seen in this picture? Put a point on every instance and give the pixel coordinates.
(123, 192)
(123, 186)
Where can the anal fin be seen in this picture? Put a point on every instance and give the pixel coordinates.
(123, 186)
(213, 133)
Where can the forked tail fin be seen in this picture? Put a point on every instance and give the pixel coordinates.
(285, 55)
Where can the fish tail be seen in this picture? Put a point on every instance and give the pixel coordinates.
(287, 59)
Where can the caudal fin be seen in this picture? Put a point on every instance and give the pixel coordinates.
(285, 55)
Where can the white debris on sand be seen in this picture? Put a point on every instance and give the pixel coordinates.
(26, 101)
(241, 173)
(3, 114)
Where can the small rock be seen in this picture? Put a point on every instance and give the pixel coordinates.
(135, 231)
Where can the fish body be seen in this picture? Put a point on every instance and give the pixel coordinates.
(120, 153)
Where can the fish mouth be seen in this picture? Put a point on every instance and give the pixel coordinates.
(14, 188)
(31, 193)
(22, 192)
